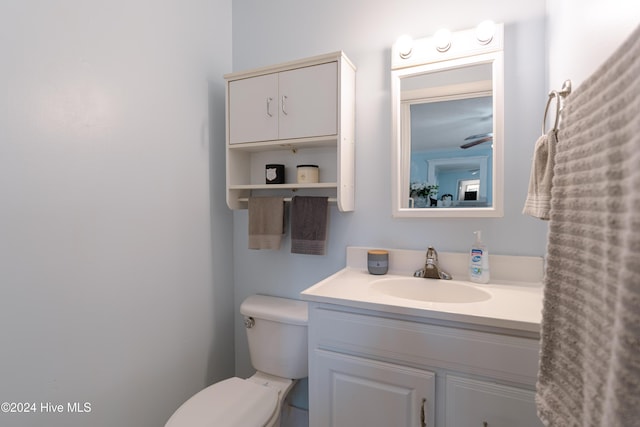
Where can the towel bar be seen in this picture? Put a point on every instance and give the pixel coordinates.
(559, 96)
(288, 199)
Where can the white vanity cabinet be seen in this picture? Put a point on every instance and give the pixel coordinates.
(366, 392)
(300, 112)
(471, 402)
(374, 369)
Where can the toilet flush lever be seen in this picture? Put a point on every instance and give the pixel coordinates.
(249, 322)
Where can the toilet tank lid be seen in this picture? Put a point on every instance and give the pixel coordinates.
(276, 309)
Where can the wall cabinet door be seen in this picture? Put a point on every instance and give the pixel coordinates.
(308, 101)
(472, 403)
(253, 109)
(298, 103)
(356, 392)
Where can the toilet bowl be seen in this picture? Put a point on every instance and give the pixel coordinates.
(277, 335)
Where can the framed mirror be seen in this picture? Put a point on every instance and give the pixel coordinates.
(447, 126)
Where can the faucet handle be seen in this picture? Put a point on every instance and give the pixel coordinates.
(444, 275)
(432, 254)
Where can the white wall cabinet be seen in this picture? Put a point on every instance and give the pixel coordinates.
(298, 103)
(301, 112)
(370, 369)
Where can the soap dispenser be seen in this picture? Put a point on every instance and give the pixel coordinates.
(479, 261)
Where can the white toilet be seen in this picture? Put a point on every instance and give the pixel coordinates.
(277, 334)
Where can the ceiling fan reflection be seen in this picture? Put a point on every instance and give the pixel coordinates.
(477, 139)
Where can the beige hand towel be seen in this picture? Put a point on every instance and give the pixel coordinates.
(266, 222)
(538, 203)
(308, 225)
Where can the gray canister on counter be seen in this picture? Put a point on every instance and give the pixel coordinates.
(378, 261)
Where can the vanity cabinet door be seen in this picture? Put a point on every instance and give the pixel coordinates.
(308, 101)
(472, 403)
(356, 392)
(253, 109)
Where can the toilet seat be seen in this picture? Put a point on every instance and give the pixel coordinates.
(233, 402)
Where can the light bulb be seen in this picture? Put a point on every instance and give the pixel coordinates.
(404, 44)
(485, 31)
(442, 39)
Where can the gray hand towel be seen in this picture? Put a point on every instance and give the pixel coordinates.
(589, 371)
(308, 225)
(266, 222)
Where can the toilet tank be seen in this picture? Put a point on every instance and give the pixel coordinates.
(277, 334)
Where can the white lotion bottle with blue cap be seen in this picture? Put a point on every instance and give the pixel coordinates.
(479, 261)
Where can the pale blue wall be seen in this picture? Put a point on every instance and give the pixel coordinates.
(115, 285)
(282, 30)
(582, 34)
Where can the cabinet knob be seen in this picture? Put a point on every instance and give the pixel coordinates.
(284, 108)
(485, 424)
(423, 422)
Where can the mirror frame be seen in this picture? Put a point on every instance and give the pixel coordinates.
(464, 51)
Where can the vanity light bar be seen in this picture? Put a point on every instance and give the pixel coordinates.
(445, 45)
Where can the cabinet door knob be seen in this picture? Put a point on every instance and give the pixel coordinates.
(269, 99)
(485, 424)
(284, 109)
(423, 422)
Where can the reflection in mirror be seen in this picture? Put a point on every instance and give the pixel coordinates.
(448, 133)
(451, 141)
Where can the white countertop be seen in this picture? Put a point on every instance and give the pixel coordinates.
(513, 304)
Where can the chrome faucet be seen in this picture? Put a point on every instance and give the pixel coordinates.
(431, 269)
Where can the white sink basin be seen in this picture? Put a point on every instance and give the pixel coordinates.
(431, 290)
